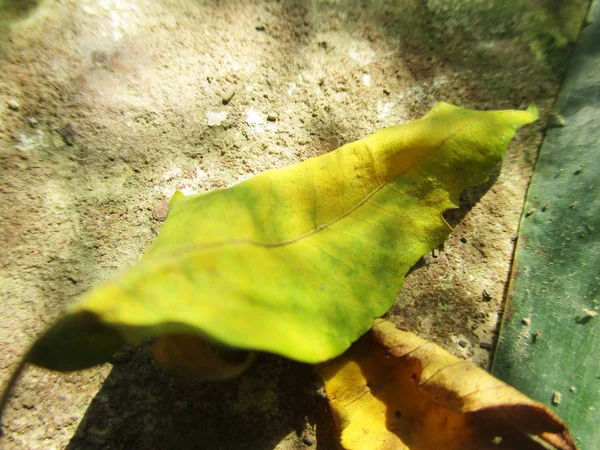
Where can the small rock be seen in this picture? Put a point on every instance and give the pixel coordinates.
(13, 104)
(556, 121)
(590, 312)
(320, 392)
(260, 28)
(308, 439)
(68, 134)
(530, 212)
(226, 98)
(486, 345)
(123, 355)
(253, 118)
(485, 295)
(556, 398)
(272, 117)
(386, 92)
(216, 118)
(32, 121)
(526, 321)
(161, 211)
(463, 343)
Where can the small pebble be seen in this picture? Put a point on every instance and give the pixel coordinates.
(254, 118)
(526, 321)
(486, 296)
(259, 28)
(161, 211)
(123, 355)
(68, 134)
(227, 96)
(321, 393)
(556, 398)
(486, 345)
(215, 118)
(556, 121)
(32, 121)
(530, 212)
(13, 104)
(308, 439)
(463, 343)
(272, 117)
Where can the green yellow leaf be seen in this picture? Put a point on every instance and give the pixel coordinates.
(296, 261)
(393, 390)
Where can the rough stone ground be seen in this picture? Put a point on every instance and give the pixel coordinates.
(108, 106)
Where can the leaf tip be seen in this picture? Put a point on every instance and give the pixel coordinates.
(76, 341)
(177, 197)
(533, 110)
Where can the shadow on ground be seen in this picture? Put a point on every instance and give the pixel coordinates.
(142, 406)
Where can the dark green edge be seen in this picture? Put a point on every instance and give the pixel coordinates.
(549, 344)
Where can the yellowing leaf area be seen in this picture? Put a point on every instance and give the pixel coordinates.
(300, 262)
(297, 261)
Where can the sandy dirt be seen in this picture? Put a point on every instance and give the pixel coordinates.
(108, 106)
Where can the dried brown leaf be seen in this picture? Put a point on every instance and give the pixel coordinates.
(393, 390)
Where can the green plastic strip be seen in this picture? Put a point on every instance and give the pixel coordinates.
(549, 344)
